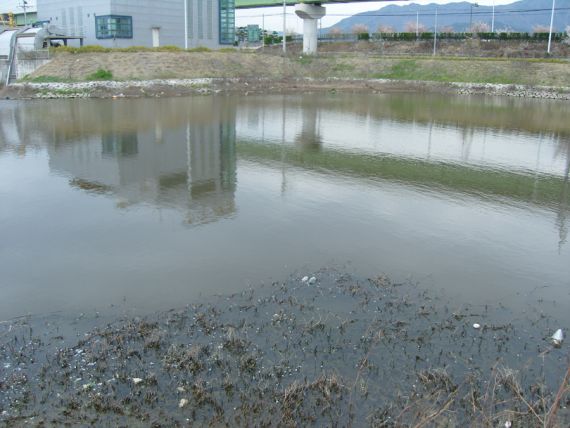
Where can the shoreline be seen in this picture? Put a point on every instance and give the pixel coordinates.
(337, 350)
(248, 86)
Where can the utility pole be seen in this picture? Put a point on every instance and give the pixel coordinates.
(24, 6)
(471, 16)
(493, 20)
(263, 30)
(551, 25)
(417, 24)
(435, 33)
(185, 24)
(284, 27)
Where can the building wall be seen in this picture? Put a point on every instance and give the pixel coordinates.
(203, 23)
(165, 16)
(75, 16)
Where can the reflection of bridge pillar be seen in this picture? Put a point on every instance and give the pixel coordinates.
(310, 14)
(309, 138)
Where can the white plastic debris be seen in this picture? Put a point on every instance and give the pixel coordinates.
(183, 403)
(180, 389)
(305, 279)
(476, 326)
(508, 424)
(312, 280)
(137, 380)
(558, 338)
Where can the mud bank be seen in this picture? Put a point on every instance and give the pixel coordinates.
(342, 351)
(185, 87)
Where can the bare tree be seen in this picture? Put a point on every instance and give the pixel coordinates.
(507, 30)
(359, 29)
(410, 27)
(385, 29)
(335, 32)
(480, 27)
(541, 29)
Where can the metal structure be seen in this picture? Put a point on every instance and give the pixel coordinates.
(250, 4)
(310, 12)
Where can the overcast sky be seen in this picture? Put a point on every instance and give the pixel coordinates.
(12, 5)
(275, 23)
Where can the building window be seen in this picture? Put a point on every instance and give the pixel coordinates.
(227, 22)
(114, 27)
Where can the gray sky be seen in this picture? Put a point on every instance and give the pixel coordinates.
(275, 23)
(12, 5)
(254, 16)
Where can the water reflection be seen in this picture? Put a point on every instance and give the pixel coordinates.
(189, 167)
(562, 218)
(472, 192)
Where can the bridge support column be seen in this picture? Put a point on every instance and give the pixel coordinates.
(310, 14)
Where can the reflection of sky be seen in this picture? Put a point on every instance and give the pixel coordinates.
(438, 142)
(64, 246)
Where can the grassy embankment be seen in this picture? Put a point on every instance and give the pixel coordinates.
(468, 180)
(95, 63)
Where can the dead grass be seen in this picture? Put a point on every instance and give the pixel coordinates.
(147, 65)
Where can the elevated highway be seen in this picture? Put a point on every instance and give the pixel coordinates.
(309, 11)
(250, 4)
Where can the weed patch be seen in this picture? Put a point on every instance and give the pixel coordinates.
(100, 75)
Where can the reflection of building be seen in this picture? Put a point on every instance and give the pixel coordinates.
(190, 167)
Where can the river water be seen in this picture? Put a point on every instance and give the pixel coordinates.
(151, 203)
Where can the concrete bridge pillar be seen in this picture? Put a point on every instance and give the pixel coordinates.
(310, 14)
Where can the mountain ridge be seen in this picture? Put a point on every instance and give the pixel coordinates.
(519, 16)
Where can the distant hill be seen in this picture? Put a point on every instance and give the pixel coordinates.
(520, 16)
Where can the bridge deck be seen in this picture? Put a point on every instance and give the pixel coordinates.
(250, 4)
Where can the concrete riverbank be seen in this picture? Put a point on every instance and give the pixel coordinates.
(205, 86)
(152, 74)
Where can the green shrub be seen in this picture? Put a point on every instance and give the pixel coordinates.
(200, 49)
(169, 48)
(363, 36)
(131, 49)
(46, 79)
(101, 75)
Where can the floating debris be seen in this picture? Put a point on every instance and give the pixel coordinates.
(183, 403)
(137, 380)
(476, 326)
(312, 280)
(508, 424)
(305, 279)
(558, 338)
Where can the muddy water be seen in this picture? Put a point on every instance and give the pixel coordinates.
(150, 204)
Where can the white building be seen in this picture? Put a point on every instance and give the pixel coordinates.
(124, 23)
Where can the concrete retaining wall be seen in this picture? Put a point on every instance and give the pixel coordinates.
(3, 71)
(28, 66)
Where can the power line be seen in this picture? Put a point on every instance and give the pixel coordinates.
(428, 12)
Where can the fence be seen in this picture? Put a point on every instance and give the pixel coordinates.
(406, 36)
